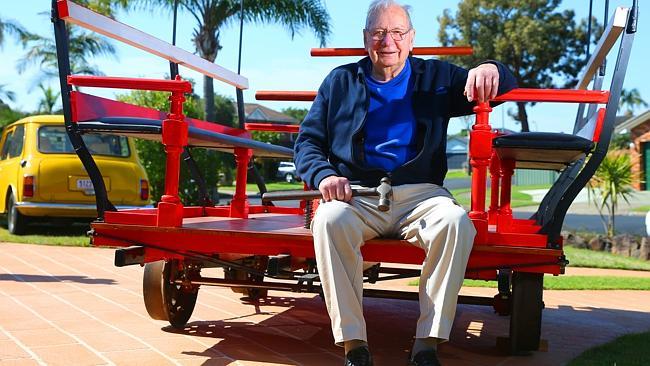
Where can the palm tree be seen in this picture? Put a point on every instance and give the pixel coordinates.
(612, 181)
(631, 99)
(82, 45)
(13, 28)
(6, 94)
(212, 15)
(49, 100)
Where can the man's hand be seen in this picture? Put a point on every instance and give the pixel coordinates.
(335, 188)
(482, 83)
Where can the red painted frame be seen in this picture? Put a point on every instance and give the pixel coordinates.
(502, 242)
(172, 229)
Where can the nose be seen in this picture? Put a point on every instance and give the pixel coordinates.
(388, 39)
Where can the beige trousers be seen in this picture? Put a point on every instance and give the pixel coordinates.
(424, 214)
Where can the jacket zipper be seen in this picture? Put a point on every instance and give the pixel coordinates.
(363, 122)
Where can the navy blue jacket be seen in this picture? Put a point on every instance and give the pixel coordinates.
(331, 138)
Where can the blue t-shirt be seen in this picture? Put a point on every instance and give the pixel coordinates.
(390, 123)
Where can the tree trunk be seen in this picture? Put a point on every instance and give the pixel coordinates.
(612, 222)
(522, 116)
(208, 95)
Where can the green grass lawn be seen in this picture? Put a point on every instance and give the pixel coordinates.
(456, 174)
(71, 235)
(593, 259)
(645, 208)
(274, 186)
(580, 283)
(518, 199)
(628, 350)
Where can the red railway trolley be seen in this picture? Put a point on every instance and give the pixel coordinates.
(269, 247)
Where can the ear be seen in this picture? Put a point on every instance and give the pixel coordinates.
(365, 39)
(412, 42)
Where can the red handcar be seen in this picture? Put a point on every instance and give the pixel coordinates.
(268, 247)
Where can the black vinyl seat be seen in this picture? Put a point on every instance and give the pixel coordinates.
(542, 150)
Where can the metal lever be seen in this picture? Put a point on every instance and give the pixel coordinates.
(384, 191)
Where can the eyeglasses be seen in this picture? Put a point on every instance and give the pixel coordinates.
(380, 34)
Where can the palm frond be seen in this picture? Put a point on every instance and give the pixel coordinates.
(295, 15)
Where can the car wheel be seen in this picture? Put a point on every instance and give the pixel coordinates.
(289, 178)
(16, 222)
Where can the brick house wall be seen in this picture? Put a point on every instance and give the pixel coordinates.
(640, 134)
(639, 128)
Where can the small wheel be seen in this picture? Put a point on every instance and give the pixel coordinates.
(164, 299)
(16, 222)
(289, 178)
(526, 312)
(250, 293)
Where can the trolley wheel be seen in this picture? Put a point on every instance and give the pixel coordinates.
(250, 293)
(526, 312)
(164, 299)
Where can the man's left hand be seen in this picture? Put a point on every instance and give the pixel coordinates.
(482, 83)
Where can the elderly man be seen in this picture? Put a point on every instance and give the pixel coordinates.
(387, 115)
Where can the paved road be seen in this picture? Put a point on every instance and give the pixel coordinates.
(70, 306)
(631, 224)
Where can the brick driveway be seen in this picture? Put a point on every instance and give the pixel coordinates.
(66, 305)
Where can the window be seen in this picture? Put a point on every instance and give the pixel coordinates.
(5, 147)
(54, 140)
(16, 148)
(13, 145)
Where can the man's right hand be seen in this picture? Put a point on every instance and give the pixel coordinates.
(335, 188)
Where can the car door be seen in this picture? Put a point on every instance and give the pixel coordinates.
(10, 156)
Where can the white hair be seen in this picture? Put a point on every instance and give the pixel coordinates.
(379, 5)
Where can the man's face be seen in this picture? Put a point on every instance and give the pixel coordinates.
(388, 52)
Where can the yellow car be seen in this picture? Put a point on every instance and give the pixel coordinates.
(41, 177)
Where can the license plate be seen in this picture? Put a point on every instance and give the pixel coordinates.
(85, 184)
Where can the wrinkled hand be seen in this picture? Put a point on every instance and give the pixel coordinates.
(335, 188)
(482, 83)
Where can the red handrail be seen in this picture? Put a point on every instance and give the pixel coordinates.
(428, 51)
(554, 95)
(516, 95)
(271, 127)
(301, 96)
(178, 85)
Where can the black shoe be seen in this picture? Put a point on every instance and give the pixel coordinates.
(425, 358)
(359, 356)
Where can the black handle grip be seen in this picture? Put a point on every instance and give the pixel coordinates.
(303, 195)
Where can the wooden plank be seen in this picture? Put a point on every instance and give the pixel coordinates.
(76, 14)
(614, 29)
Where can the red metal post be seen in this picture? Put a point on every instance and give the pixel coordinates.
(505, 210)
(495, 178)
(174, 138)
(480, 152)
(239, 204)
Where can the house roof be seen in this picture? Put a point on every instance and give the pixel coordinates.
(457, 144)
(259, 113)
(632, 122)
